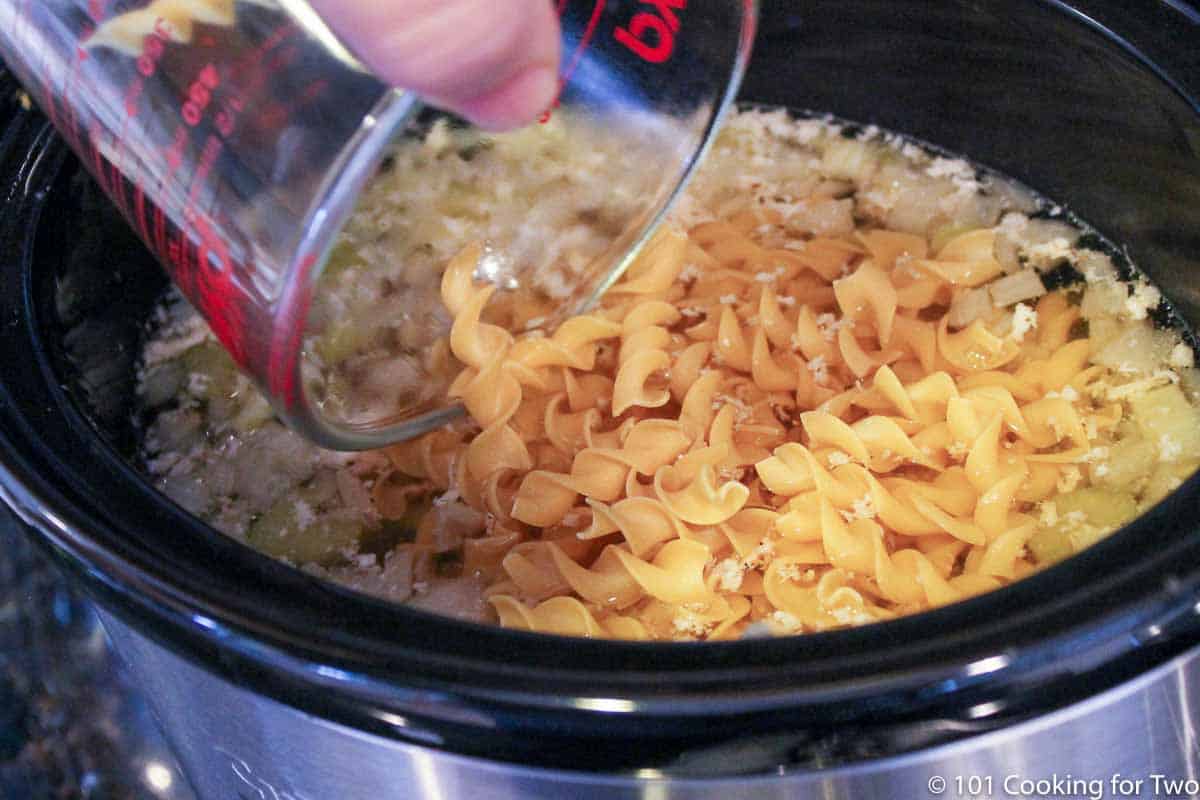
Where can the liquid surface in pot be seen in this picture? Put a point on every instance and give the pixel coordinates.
(852, 379)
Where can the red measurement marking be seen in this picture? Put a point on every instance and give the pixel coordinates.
(573, 62)
(133, 97)
(139, 211)
(651, 36)
(226, 119)
(314, 91)
(225, 123)
(154, 45)
(94, 134)
(274, 116)
(200, 95)
(281, 59)
(98, 9)
(175, 153)
(160, 232)
(255, 57)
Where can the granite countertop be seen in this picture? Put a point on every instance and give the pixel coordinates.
(71, 724)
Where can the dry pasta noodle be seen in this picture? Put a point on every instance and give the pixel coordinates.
(850, 381)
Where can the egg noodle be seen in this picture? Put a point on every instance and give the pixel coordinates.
(778, 435)
(786, 417)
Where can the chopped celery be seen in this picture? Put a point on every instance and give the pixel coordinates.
(219, 374)
(1102, 331)
(1050, 545)
(1104, 299)
(294, 528)
(1084, 536)
(1189, 380)
(1084, 517)
(1166, 479)
(342, 341)
(253, 414)
(1168, 420)
(1138, 347)
(850, 160)
(1129, 461)
(279, 533)
(342, 257)
(1104, 508)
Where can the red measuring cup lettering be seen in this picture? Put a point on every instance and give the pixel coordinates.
(651, 34)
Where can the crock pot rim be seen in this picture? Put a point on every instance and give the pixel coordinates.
(81, 528)
(64, 518)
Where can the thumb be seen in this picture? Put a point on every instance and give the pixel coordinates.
(495, 62)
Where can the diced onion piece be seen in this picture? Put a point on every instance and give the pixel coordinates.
(1189, 380)
(1104, 298)
(1043, 231)
(1103, 507)
(851, 160)
(1139, 349)
(1166, 418)
(1102, 331)
(461, 598)
(1007, 250)
(1050, 545)
(1165, 479)
(1130, 459)
(1016, 288)
(822, 216)
(969, 306)
(1096, 266)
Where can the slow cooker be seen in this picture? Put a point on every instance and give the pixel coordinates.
(269, 683)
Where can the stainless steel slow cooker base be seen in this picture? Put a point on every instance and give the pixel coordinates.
(235, 743)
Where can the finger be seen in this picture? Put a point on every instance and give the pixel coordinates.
(493, 61)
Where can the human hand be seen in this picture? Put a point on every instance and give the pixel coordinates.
(494, 62)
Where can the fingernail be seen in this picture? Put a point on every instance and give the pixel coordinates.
(519, 101)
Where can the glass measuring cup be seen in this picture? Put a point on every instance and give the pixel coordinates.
(237, 136)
